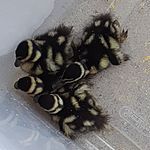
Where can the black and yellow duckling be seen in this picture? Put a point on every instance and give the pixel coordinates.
(30, 84)
(46, 53)
(72, 73)
(101, 44)
(74, 108)
(34, 85)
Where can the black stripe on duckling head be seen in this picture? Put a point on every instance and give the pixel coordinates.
(51, 103)
(74, 72)
(27, 51)
(23, 52)
(31, 85)
(23, 84)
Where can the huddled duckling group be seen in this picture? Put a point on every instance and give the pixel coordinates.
(58, 69)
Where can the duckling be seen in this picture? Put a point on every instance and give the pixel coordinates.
(34, 85)
(30, 84)
(101, 44)
(75, 109)
(47, 53)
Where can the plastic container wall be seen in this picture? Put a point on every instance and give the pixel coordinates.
(122, 91)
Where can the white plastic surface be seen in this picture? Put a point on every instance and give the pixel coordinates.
(122, 91)
(19, 19)
(20, 129)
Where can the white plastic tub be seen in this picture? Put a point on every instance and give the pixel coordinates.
(122, 91)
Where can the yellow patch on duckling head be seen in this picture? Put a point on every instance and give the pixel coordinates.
(30, 51)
